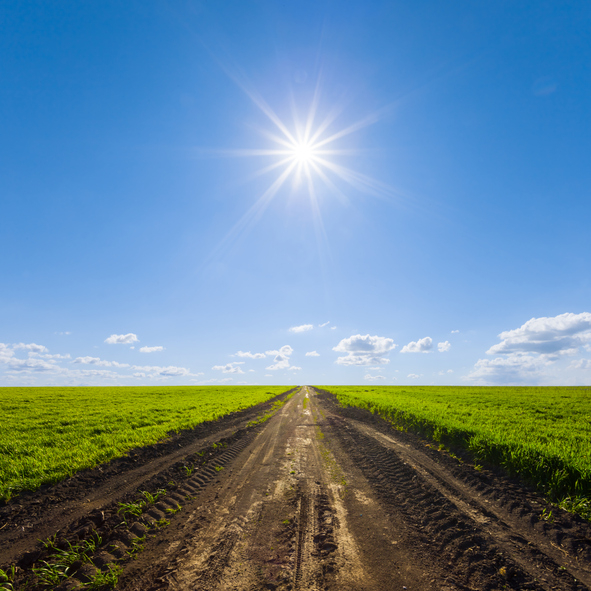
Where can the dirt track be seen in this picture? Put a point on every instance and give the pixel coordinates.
(317, 497)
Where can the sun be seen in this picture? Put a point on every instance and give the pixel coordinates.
(303, 153)
(308, 151)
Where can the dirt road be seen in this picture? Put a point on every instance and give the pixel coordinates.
(319, 497)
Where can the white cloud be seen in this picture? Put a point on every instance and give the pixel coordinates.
(88, 360)
(5, 352)
(324, 324)
(122, 339)
(268, 375)
(445, 346)
(216, 381)
(252, 370)
(512, 369)
(365, 344)
(301, 328)
(230, 367)
(173, 371)
(250, 355)
(31, 347)
(294, 368)
(351, 359)
(151, 349)
(554, 335)
(364, 350)
(285, 350)
(280, 362)
(166, 372)
(31, 364)
(333, 328)
(63, 333)
(413, 376)
(49, 356)
(47, 363)
(98, 361)
(442, 373)
(371, 378)
(91, 373)
(139, 374)
(455, 331)
(450, 371)
(527, 352)
(281, 359)
(580, 364)
(420, 346)
(312, 354)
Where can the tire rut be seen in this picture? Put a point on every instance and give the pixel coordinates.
(507, 519)
(474, 546)
(302, 529)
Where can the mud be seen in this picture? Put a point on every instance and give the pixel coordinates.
(317, 497)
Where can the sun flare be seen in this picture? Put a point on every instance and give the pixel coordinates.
(309, 153)
(303, 153)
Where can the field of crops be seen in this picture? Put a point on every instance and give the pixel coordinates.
(542, 435)
(50, 433)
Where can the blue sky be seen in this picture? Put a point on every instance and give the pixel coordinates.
(439, 235)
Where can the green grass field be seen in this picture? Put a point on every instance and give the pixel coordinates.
(49, 433)
(542, 435)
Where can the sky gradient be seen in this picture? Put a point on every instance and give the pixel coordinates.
(152, 230)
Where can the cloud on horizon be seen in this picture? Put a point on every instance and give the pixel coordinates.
(233, 367)
(557, 335)
(122, 339)
(98, 361)
(525, 354)
(371, 378)
(364, 350)
(250, 355)
(33, 347)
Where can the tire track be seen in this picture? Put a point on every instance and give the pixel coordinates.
(508, 519)
(302, 530)
(470, 541)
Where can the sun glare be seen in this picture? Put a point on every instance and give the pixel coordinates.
(307, 153)
(303, 153)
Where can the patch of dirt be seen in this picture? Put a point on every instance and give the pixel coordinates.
(316, 498)
(38, 515)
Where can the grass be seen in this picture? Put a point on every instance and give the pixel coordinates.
(137, 546)
(172, 511)
(51, 433)
(542, 435)
(62, 561)
(137, 507)
(7, 578)
(108, 578)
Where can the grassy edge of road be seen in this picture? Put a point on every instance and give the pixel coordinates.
(541, 435)
(49, 434)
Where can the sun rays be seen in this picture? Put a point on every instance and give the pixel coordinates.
(306, 156)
